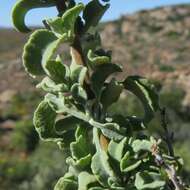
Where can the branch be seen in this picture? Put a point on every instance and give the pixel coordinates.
(61, 6)
(170, 170)
(168, 137)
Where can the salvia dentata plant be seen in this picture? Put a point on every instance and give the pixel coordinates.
(107, 152)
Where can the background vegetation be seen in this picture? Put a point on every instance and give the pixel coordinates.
(154, 47)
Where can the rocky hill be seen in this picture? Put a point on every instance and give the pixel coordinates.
(152, 43)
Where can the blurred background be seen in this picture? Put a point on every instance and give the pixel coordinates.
(149, 38)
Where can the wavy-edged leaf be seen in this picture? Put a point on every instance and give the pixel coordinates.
(116, 149)
(142, 88)
(58, 71)
(148, 180)
(66, 24)
(22, 7)
(80, 148)
(66, 183)
(50, 86)
(142, 145)
(44, 121)
(99, 76)
(98, 11)
(58, 104)
(96, 59)
(110, 130)
(78, 73)
(98, 188)
(48, 54)
(113, 183)
(128, 163)
(79, 94)
(101, 168)
(100, 164)
(111, 93)
(85, 180)
(81, 164)
(67, 123)
(90, 41)
(34, 51)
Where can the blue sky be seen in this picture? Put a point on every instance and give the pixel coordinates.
(118, 7)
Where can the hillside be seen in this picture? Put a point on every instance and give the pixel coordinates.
(153, 43)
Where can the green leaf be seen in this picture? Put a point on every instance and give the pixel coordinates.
(116, 149)
(142, 88)
(100, 164)
(79, 94)
(142, 145)
(111, 93)
(66, 24)
(148, 180)
(98, 11)
(22, 7)
(80, 148)
(78, 73)
(128, 163)
(57, 71)
(113, 183)
(99, 76)
(81, 164)
(98, 188)
(50, 86)
(110, 130)
(48, 54)
(58, 104)
(90, 41)
(66, 183)
(44, 121)
(101, 168)
(45, 124)
(85, 180)
(67, 123)
(34, 51)
(97, 59)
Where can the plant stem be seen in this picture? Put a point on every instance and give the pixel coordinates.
(170, 170)
(168, 137)
(61, 6)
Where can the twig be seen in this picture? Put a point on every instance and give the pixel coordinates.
(170, 170)
(168, 138)
(61, 6)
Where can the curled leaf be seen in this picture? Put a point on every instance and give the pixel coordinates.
(22, 7)
(79, 94)
(128, 163)
(34, 51)
(96, 59)
(142, 88)
(149, 180)
(111, 93)
(116, 149)
(44, 121)
(50, 86)
(66, 183)
(66, 24)
(99, 76)
(98, 11)
(85, 180)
